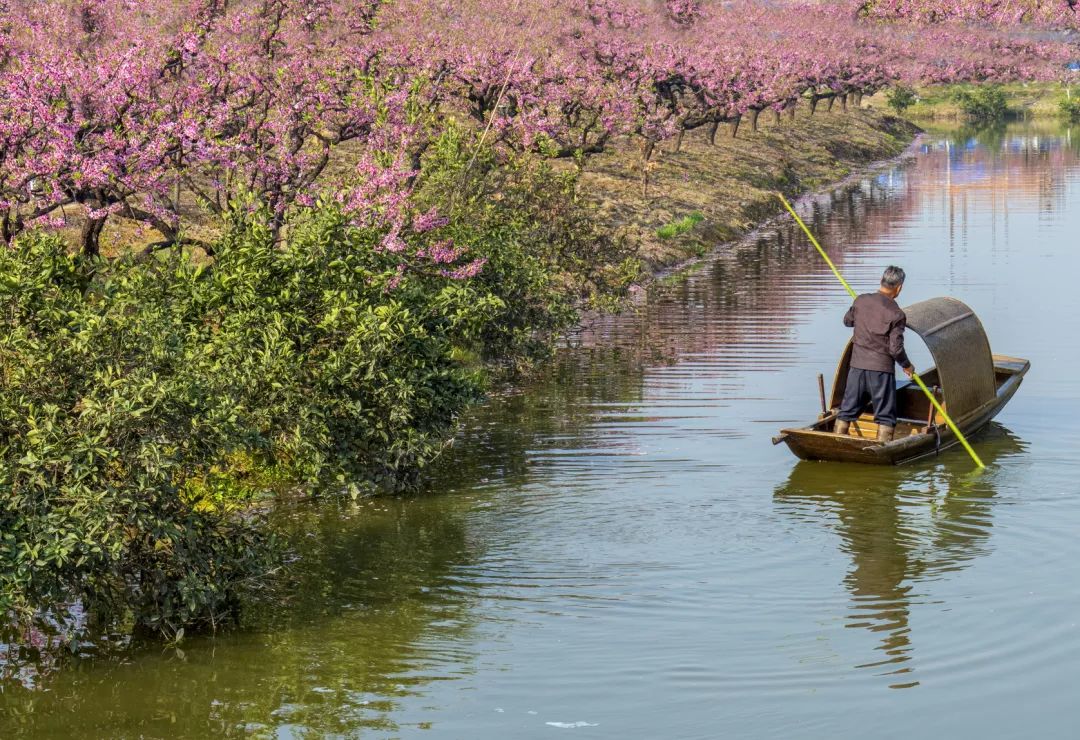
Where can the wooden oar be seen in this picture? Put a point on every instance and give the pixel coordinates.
(914, 376)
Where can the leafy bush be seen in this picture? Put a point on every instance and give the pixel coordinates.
(983, 103)
(546, 255)
(126, 384)
(143, 397)
(351, 361)
(680, 227)
(1070, 109)
(104, 413)
(900, 98)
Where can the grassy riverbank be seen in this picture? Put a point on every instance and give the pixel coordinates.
(1024, 100)
(706, 194)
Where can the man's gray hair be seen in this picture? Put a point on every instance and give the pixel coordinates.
(893, 277)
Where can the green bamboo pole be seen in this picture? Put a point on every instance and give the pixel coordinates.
(914, 376)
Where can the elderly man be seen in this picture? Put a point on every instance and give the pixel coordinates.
(879, 342)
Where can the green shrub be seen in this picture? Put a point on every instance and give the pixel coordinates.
(105, 412)
(128, 387)
(546, 255)
(983, 103)
(680, 227)
(900, 98)
(1070, 109)
(352, 371)
(146, 402)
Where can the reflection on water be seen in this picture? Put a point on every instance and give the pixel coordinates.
(619, 550)
(750, 297)
(901, 528)
(333, 651)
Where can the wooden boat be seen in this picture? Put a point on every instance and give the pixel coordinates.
(972, 384)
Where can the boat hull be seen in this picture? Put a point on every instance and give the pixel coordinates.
(818, 442)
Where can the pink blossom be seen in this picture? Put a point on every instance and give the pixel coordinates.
(465, 272)
(396, 278)
(428, 221)
(443, 253)
(110, 106)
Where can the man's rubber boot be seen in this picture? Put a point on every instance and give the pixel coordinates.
(842, 427)
(885, 434)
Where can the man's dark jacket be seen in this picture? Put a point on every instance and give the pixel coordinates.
(879, 333)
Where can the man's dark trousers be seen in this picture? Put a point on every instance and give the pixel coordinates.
(879, 386)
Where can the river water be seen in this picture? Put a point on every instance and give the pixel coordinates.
(619, 551)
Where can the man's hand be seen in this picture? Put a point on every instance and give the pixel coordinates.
(909, 371)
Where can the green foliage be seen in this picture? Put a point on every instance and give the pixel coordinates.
(145, 402)
(102, 418)
(546, 256)
(351, 371)
(1070, 109)
(900, 98)
(983, 103)
(128, 389)
(680, 227)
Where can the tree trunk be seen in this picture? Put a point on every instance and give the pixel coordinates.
(814, 100)
(416, 156)
(832, 99)
(843, 102)
(90, 238)
(791, 109)
(712, 132)
(647, 148)
(678, 139)
(7, 231)
(754, 113)
(735, 125)
(776, 117)
(277, 225)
